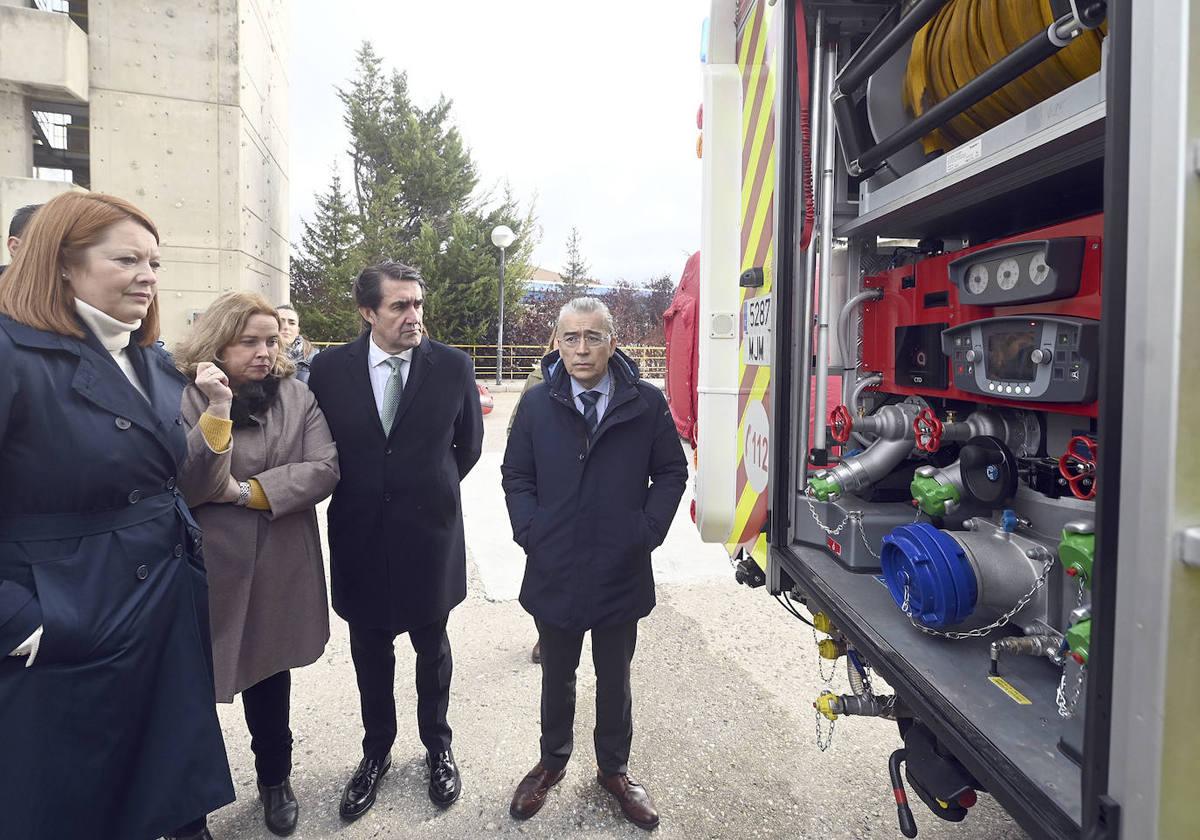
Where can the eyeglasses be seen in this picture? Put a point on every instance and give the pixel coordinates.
(592, 339)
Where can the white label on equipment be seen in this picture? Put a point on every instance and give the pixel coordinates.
(756, 331)
(757, 446)
(960, 157)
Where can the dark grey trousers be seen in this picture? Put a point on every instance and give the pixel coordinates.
(612, 653)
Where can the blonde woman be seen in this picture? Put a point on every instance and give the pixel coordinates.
(260, 458)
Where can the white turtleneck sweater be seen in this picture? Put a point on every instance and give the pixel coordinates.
(115, 336)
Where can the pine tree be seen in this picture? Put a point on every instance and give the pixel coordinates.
(575, 272)
(323, 271)
(412, 186)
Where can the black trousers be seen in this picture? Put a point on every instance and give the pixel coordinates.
(267, 707)
(374, 657)
(612, 653)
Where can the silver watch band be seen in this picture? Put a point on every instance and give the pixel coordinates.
(243, 494)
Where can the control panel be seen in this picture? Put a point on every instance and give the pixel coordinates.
(1028, 271)
(1029, 358)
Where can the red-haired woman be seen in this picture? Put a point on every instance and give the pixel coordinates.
(107, 722)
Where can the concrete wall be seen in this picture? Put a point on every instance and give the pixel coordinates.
(189, 121)
(188, 106)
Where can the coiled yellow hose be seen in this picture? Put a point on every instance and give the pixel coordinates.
(968, 36)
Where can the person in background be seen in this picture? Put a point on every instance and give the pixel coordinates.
(260, 458)
(297, 348)
(592, 475)
(535, 376)
(405, 413)
(107, 722)
(16, 227)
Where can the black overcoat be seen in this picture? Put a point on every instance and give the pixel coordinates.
(588, 512)
(397, 556)
(112, 732)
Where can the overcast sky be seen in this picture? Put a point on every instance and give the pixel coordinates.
(587, 107)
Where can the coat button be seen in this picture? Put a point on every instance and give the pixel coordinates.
(178, 421)
(171, 483)
(387, 451)
(387, 497)
(179, 551)
(143, 572)
(135, 497)
(123, 423)
(582, 456)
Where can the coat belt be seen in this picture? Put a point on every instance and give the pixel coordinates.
(65, 526)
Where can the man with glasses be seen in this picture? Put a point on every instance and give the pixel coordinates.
(592, 475)
(405, 415)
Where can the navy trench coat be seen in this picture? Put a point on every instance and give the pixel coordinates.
(112, 732)
(588, 512)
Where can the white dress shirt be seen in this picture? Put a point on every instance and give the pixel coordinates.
(381, 371)
(603, 386)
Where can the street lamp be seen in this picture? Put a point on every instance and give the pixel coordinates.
(502, 237)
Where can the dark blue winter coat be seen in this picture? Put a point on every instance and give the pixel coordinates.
(112, 732)
(588, 512)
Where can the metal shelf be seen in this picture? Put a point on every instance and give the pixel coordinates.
(1041, 164)
(1011, 748)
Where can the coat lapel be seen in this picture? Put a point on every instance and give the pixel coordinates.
(422, 361)
(358, 359)
(101, 382)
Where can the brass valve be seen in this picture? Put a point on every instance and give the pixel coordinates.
(831, 648)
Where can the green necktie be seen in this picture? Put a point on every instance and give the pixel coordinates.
(391, 394)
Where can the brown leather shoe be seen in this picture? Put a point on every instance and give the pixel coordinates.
(531, 793)
(635, 802)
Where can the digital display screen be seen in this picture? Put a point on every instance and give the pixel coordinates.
(1008, 355)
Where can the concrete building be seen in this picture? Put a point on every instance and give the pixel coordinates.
(179, 107)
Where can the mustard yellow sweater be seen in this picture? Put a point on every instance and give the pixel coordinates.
(218, 434)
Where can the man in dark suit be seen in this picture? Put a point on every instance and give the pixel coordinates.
(404, 411)
(592, 475)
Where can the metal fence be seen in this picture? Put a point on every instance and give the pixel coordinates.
(519, 359)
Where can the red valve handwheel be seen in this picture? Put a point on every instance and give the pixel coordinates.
(841, 422)
(1077, 468)
(928, 429)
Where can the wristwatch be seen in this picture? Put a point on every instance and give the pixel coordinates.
(243, 498)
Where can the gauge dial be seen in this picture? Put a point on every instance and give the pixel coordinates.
(1007, 274)
(977, 279)
(1039, 271)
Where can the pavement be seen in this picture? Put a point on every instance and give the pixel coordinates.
(725, 736)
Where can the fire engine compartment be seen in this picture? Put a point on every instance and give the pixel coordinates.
(943, 531)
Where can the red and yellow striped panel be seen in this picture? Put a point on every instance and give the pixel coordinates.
(757, 39)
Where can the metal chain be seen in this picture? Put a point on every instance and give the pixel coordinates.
(824, 741)
(1066, 705)
(851, 514)
(999, 622)
(828, 680)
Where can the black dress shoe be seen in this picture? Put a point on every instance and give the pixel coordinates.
(359, 795)
(280, 809)
(445, 785)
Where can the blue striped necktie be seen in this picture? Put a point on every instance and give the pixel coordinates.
(590, 398)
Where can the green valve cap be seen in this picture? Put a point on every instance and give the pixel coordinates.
(932, 495)
(1079, 639)
(1076, 552)
(824, 488)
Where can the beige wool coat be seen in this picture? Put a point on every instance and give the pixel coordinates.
(266, 578)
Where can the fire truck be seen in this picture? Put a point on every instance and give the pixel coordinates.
(947, 324)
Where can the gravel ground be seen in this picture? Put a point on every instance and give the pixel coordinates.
(724, 740)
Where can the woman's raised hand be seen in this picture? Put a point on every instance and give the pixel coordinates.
(213, 383)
